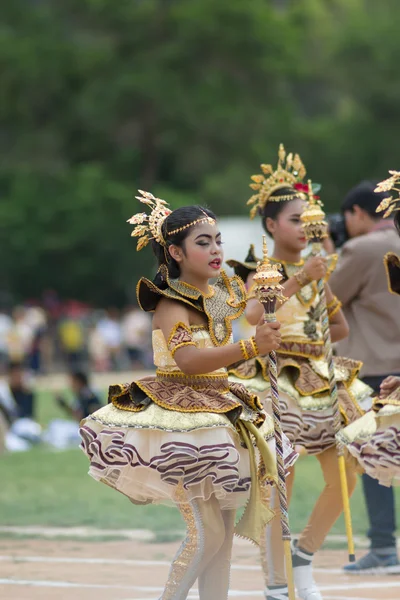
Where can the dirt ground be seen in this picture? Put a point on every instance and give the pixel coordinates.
(127, 570)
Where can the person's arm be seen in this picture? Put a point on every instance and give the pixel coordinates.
(389, 385)
(338, 325)
(191, 360)
(347, 279)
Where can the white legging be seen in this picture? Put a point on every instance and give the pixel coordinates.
(205, 554)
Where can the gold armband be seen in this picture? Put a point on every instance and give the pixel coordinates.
(249, 348)
(254, 344)
(302, 278)
(180, 336)
(333, 307)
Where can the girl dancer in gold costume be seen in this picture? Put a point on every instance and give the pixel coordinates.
(303, 379)
(187, 435)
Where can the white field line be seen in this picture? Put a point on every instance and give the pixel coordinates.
(128, 562)
(134, 534)
(148, 589)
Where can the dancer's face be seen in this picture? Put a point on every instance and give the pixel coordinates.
(201, 254)
(287, 229)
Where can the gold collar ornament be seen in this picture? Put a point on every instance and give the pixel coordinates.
(149, 227)
(389, 204)
(289, 172)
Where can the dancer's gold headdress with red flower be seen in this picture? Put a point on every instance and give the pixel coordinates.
(288, 174)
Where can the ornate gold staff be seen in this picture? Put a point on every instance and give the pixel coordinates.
(269, 290)
(315, 229)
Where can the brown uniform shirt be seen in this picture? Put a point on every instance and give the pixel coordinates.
(373, 313)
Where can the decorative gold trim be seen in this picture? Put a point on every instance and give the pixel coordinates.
(175, 329)
(195, 328)
(193, 545)
(206, 219)
(181, 345)
(333, 311)
(386, 260)
(187, 410)
(302, 278)
(239, 304)
(243, 350)
(219, 383)
(289, 171)
(250, 348)
(181, 375)
(332, 260)
(254, 344)
(163, 293)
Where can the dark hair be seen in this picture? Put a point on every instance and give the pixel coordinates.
(273, 209)
(397, 220)
(364, 196)
(177, 219)
(15, 366)
(81, 377)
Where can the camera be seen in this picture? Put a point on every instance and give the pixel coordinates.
(337, 229)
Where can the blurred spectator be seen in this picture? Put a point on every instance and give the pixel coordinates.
(109, 327)
(86, 401)
(72, 341)
(98, 351)
(359, 281)
(37, 321)
(136, 335)
(17, 406)
(21, 392)
(19, 337)
(6, 324)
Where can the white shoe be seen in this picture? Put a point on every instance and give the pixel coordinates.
(277, 594)
(305, 585)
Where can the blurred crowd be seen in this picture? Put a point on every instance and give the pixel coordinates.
(53, 336)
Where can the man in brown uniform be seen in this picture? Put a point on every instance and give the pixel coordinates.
(360, 282)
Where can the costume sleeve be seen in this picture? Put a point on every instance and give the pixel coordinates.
(346, 280)
(180, 336)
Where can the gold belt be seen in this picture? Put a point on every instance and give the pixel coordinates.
(215, 381)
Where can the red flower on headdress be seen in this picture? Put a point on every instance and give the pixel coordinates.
(303, 187)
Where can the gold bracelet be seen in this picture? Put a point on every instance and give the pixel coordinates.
(334, 309)
(254, 344)
(249, 348)
(244, 350)
(302, 278)
(332, 303)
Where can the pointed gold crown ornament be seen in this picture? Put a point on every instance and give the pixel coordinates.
(149, 227)
(313, 218)
(268, 280)
(289, 172)
(389, 204)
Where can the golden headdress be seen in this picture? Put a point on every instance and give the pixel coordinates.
(389, 204)
(149, 227)
(289, 173)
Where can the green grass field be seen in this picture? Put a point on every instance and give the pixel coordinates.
(46, 487)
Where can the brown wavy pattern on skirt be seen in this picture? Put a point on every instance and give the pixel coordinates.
(309, 429)
(379, 456)
(177, 462)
